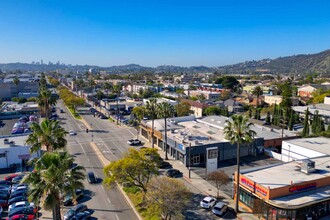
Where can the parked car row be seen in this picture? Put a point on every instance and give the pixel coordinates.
(14, 196)
(218, 208)
(98, 114)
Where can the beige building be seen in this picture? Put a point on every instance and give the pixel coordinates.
(207, 94)
(277, 99)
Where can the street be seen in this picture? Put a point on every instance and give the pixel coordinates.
(106, 203)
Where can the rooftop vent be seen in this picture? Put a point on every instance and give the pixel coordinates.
(307, 166)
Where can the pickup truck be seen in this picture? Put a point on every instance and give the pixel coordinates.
(133, 142)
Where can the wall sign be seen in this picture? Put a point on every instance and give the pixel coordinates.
(298, 188)
(247, 182)
(252, 185)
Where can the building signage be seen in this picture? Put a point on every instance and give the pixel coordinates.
(298, 188)
(247, 183)
(261, 190)
(251, 185)
(180, 146)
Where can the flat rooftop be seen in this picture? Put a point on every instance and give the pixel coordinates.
(323, 109)
(284, 174)
(18, 141)
(319, 144)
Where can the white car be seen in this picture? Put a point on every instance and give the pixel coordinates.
(208, 202)
(220, 208)
(21, 204)
(72, 133)
(19, 188)
(133, 142)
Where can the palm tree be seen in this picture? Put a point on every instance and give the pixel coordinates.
(151, 108)
(45, 100)
(117, 89)
(238, 130)
(165, 110)
(257, 92)
(16, 81)
(52, 177)
(48, 136)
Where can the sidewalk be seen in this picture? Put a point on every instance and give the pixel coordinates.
(202, 185)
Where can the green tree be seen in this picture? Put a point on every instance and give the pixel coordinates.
(165, 110)
(139, 112)
(48, 136)
(151, 110)
(168, 197)
(16, 81)
(228, 82)
(99, 95)
(136, 168)
(52, 177)
(183, 109)
(258, 91)
(212, 110)
(268, 118)
(305, 132)
(74, 102)
(45, 101)
(238, 131)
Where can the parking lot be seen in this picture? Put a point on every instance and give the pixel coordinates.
(229, 167)
(7, 126)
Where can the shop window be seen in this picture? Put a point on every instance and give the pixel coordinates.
(246, 198)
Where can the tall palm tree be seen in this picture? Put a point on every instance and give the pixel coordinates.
(45, 101)
(258, 91)
(238, 130)
(48, 136)
(151, 108)
(165, 110)
(54, 176)
(117, 89)
(16, 81)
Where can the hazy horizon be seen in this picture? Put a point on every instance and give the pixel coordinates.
(185, 33)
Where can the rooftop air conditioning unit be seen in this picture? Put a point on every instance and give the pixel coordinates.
(307, 166)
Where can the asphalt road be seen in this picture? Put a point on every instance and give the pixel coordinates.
(106, 203)
(112, 142)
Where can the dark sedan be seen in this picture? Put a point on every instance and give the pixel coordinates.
(68, 199)
(21, 210)
(173, 173)
(17, 199)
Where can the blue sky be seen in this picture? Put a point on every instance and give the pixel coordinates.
(157, 32)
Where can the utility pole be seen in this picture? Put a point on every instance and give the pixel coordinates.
(189, 161)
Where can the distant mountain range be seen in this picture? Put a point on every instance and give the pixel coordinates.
(296, 64)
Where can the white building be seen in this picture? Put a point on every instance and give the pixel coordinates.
(305, 148)
(13, 150)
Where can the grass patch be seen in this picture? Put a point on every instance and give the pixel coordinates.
(75, 115)
(136, 196)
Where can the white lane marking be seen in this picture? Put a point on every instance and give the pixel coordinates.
(109, 201)
(102, 187)
(131, 132)
(117, 146)
(117, 217)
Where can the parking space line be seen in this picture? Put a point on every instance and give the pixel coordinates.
(117, 217)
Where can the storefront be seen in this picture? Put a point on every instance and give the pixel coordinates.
(286, 192)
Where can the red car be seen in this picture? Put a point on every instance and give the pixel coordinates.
(11, 176)
(21, 217)
(3, 203)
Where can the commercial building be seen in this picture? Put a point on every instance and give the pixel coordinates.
(14, 152)
(15, 110)
(9, 89)
(208, 95)
(294, 190)
(203, 140)
(277, 99)
(161, 100)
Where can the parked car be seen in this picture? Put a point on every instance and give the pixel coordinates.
(103, 117)
(173, 173)
(82, 215)
(18, 178)
(68, 198)
(208, 202)
(61, 111)
(164, 164)
(21, 216)
(11, 176)
(91, 177)
(21, 204)
(19, 188)
(220, 208)
(4, 195)
(17, 199)
(74, 210)
(21, 210)
(133, 141)
(3, 203)
(18, 193)
(5, 183)
(72, 133)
